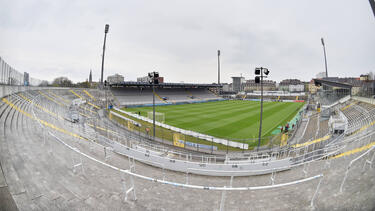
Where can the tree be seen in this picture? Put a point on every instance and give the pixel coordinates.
(44, 83)
(62, 81)
(84, 84)
(371, 75)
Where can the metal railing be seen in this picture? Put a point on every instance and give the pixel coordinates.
(78, 164)
(10, 76)
(368, 161)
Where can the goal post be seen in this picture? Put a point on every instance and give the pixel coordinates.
(159, 117)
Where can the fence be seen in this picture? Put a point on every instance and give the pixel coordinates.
(165, 132)
(10, 76)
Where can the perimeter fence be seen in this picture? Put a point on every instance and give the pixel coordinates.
(10, 76)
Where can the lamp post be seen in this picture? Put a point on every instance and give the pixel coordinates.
(105, 38)
(153, 76)
(325, 56)
(259, 79)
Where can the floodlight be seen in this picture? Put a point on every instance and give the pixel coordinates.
(257, 71)
(266, 71)
(106, 28)
(257, 79)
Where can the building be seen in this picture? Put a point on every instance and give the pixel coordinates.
(115, 79)
(268, 85)
(26, 79)
(356, 87)
(227, 87)
(146, 79)
(306, 86)
(364, 77)
(161, 80)
(291, 85)
(312, 87)
(238, 84)
(297, 87)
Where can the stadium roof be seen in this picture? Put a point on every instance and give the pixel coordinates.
(332, 83)
(166, 85)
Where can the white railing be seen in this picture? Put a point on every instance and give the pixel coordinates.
(368, 161)
(185, 132)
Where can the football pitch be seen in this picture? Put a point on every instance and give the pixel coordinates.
(231, 119)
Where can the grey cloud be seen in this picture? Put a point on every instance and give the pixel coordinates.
(180, 38)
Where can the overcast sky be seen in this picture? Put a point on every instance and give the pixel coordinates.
(180, 39)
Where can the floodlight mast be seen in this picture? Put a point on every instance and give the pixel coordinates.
(325, 56)
(372, 4)
(153, 106)
(153, 77)
(218, 67)
(105, 38)
(259, 79)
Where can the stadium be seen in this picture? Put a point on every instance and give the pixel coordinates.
(153, 145)
(107, 160)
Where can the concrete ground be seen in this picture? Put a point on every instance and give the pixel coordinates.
(39, 175)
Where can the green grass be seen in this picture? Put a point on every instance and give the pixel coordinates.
(235, 120)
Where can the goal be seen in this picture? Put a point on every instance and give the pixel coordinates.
(159, 117)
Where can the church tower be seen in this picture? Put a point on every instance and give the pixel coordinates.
(90, 77)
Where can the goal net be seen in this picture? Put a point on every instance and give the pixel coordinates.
(159, 117)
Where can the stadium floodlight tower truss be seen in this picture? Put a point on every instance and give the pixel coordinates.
(259, 71)
(153, 79)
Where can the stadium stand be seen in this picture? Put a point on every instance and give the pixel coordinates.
(357, 115)
(49, 163)
(273, 97)
(143, 95)
(48, 166)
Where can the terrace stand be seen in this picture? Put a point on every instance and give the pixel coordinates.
(223, 195)
(131, 189)
(352, 162)
(315, 193)
(77, 163)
